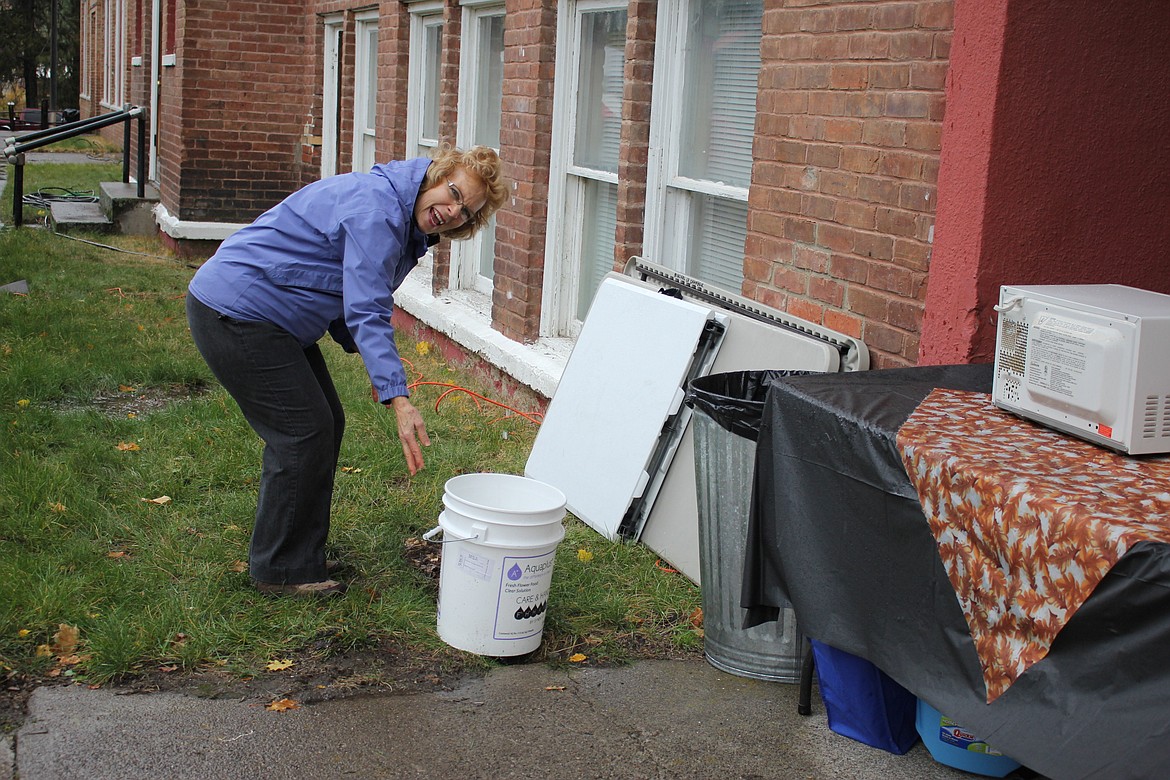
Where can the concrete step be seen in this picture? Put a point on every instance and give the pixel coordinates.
(133, 216)
(67, 216)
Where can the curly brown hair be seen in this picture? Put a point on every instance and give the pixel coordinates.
(484, 163)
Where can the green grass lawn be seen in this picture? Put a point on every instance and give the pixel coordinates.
(128, 481)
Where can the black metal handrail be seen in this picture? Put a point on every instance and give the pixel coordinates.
(15, 149)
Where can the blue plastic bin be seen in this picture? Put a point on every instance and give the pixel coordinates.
(953, 745)
(863, 703)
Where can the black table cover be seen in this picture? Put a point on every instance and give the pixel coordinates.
(836, 529)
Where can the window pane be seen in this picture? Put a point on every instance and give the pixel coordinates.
(719, 91)
(599, 224)
(491, 81)
(718, 230)
(487, 249)
(430, 94)
(599, 90)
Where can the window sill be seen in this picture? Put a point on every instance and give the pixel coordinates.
(465, 317)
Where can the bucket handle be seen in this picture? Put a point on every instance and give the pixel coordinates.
(430, 535)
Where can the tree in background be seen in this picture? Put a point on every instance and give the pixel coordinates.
(27, 50)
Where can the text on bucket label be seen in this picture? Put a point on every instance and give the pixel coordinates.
(524, 587)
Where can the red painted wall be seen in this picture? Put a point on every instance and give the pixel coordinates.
(1054, 160)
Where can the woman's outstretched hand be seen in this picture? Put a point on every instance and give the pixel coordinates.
(412, 432)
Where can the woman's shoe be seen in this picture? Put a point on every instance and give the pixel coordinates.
(322, 589)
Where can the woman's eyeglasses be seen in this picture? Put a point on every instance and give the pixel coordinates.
(457, 196)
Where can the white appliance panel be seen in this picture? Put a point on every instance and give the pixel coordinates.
(622, 381)
(672, 528)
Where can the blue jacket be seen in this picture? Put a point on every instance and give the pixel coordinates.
(328, 257)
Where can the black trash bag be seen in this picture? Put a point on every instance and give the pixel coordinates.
(735, 399)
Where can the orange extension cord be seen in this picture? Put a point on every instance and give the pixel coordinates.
(533, 417)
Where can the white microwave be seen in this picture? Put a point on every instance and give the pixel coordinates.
(1091, 360)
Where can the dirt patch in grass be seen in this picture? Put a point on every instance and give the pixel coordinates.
(133, 401)
(140, 401)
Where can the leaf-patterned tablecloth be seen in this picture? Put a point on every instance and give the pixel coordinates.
(1027, 520)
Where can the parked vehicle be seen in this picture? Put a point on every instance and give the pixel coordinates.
(32, 119)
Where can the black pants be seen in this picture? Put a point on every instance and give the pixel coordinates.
(288, 397)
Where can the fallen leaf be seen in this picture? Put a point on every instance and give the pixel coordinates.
(58, 507)
(161, 500)
(23, 633)
(43, 651)
(423, 347)
(65, 640)
(279, 666)
(22, 403)
(577, 658)
(351, 470)
(584, 555)
(117, 554)
(126, 388)
(169, 668)
(283, 705)
(697, 617)
(554, 687)
(239, 567)
(128, 446)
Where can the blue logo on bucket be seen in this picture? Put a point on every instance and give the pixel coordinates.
(515, 572)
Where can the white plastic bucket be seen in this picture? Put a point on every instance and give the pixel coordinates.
(500, 535)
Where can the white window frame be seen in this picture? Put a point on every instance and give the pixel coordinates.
(564, 239)
(88, 22)
(334, 25)
(114, 64)
(365, 92)
(423, 15)
(667, 193)
(465, 255)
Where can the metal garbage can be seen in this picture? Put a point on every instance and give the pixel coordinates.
(729, 408)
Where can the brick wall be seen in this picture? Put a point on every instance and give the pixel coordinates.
(235, 137)
(525, 143)
(842, 202)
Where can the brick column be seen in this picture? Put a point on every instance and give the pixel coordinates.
(525, 143)
(448, 121)
(641, 25)
(393, 79)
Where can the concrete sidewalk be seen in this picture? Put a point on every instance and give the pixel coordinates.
(656, 719)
